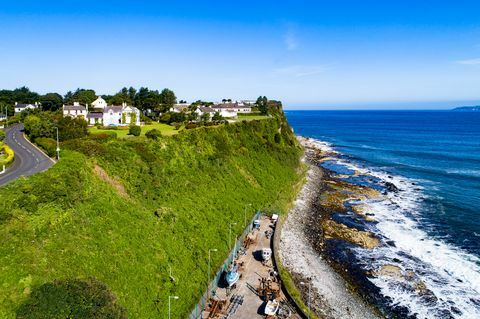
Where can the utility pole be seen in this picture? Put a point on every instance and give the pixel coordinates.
(58, 147)
(169, 300)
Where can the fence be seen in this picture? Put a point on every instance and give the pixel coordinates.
(212, 286)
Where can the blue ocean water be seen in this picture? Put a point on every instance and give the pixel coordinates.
(439, 151)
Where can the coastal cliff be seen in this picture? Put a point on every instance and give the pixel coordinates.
(140, 215)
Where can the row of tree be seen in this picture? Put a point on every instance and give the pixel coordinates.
(142, 98)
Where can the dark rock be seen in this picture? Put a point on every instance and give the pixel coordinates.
(391, 187)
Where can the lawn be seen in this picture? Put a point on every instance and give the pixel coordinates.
(122, 132)
(252, 117)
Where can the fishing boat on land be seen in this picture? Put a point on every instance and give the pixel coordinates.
(271, 307)
(232, 276)
(266, 254)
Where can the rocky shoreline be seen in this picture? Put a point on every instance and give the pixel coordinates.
(307, 229)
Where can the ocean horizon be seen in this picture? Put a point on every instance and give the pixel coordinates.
(431, 226)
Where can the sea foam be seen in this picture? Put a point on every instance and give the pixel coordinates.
(442, 281)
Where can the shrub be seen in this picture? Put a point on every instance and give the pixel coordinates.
(49, 145)
(72, 128)
(103, 135)
(72, 298)
(153, 134)
(277, 137)
(191, 125)
(134, 130)
(2, 135)
(8, 156)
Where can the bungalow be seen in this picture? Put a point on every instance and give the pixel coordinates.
(22, 107)
(75, 110)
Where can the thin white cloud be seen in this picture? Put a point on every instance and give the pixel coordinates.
(299, 71)
(469, 62)
(290, 40)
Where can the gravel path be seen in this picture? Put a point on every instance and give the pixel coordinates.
(330, 296)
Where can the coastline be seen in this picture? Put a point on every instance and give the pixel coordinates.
(301, 239)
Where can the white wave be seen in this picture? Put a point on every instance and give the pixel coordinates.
(451, 274)
(465, 172)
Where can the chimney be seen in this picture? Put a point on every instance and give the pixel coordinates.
(16, 103)
(76, 104)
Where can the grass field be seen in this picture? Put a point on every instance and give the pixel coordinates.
(125, 211)
(251, 117)
(122, 132)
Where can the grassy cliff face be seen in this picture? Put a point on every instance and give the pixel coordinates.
(125, 211)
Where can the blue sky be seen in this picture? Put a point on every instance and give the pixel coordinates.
(309, 54)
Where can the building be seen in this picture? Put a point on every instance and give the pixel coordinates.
(117, 115)
(205, 109)
(231, 109)
(76, 110)
(179, 108)
(99, 103)
(94, 118)
(104, 114)
(22, 107)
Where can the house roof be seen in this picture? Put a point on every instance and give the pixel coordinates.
(95, 115)
(22, 106)
(206, 109)
(114, 108)
(229, 106)
(75, 107)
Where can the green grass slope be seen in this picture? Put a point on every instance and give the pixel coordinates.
(125, 211)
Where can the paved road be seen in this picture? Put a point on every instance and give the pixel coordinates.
(28, 158)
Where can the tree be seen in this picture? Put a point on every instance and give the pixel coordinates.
(147, 99)
(153, 134)
(72, 298)
(2, 136)
(134, 130)
(193, 116)
(167, 99)
(84, 96)
(262, 104)
(217, 117)
(177, 117)
(51, 101)
(72, 128)
(205, 117)
(38, 127)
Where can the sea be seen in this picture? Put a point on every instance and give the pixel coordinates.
(430, 226)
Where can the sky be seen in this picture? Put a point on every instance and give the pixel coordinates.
(309, 54)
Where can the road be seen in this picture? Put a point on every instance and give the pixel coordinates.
(28, 158)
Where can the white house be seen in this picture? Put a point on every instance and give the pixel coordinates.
(116, 115)
(75, 111)
(94, 118)
(231, 109)
(22, 107)
(179, 108)
(205, 109)
(99, 103)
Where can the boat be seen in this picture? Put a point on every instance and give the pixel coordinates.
(271, 307)
(232, 276)
(266, 254)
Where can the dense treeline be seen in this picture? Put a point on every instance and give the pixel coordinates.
(143, 98)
